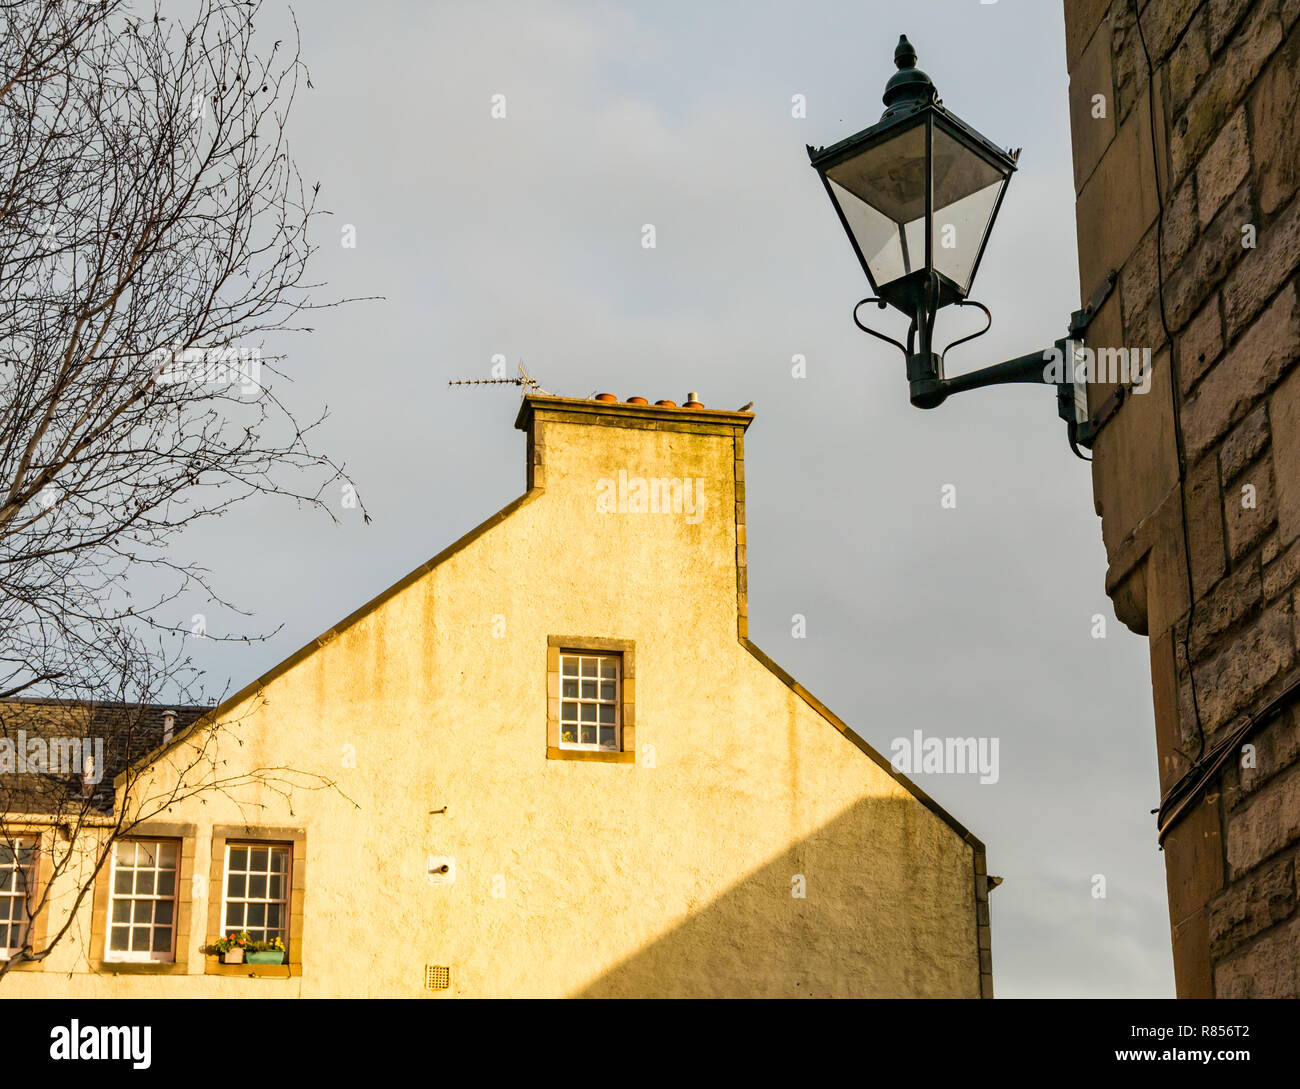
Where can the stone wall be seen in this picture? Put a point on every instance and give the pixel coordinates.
(1186, 174)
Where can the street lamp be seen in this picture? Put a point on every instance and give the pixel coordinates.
(917, 194)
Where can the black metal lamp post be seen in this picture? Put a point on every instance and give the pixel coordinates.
(917, 194)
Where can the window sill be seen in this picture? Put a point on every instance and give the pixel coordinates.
(141, 968)
(594, 756)
(214, 967)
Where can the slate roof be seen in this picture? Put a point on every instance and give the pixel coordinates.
(129, 731)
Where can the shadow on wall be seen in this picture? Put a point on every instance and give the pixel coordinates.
(878, 918)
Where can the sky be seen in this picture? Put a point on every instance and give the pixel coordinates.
(521, 237)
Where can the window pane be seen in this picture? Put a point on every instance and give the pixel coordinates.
(275, 916)
(167, 883)
(122, 881)
(239, 858)
(257, 887)
(280, 860)
(256, 915)
(570, 690)
(121, 911)
(139, 939)
(144, 882)
(569, 711)
(570, 667)
(257, 859)
(607, 690)
(588, 712)
(235, 885)
(162, 939)
(569, 735)
(589, 735)
(120, 939)
(607, 670)
(167, 856)
(607, 735)
(588, 690)
(162, 913)
(276, 889)
(607, 714)
(143, 911)
(234, 917)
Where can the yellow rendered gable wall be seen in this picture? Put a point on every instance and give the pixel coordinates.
(578, 877)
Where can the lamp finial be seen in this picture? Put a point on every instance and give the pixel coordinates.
(909, 86)
(904, 53)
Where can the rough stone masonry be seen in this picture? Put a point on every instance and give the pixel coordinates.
(1186, 164)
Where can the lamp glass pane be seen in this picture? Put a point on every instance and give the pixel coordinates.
(881, 192)
(966, 188)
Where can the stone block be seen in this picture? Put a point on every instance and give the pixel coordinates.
(1162, 22)
(1138, 280)
(1231, 678)
(1091, 135)
(1274, 108)
(1205, 525)
(1264, 824)
(1263, 756)
(1200, 343)
(1252, 905)
(1268, 968)
(1134, 463)
(1249, 508)
(1282, 573)
(1082, 18)
(1284, 413)
(1222, 168)
(1224, 17)
(1117, 203)
(1231, 600)
(1244, 443)
(1194, 861)
(1189, 62)
(1262, 269)
(1247, 371)
(1189, 285)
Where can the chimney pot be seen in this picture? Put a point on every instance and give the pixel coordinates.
(606, 397)
(637, 401)
(693, 401)
(666, 404)
(169, 725)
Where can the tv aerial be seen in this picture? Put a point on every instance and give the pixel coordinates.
(526, 382)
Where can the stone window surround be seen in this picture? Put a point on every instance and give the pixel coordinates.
(184, 835)
(44, 874)
(626, 649)
(296, 839)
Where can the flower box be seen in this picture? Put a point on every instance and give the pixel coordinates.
(269, 956)
(234, 956)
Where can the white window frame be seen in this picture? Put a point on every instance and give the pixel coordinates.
(142, 956)
(20, 843)
(617, 702)
(251, 845)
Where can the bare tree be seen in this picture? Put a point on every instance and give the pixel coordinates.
(153, 232)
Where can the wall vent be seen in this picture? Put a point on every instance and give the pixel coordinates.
(437, 977)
